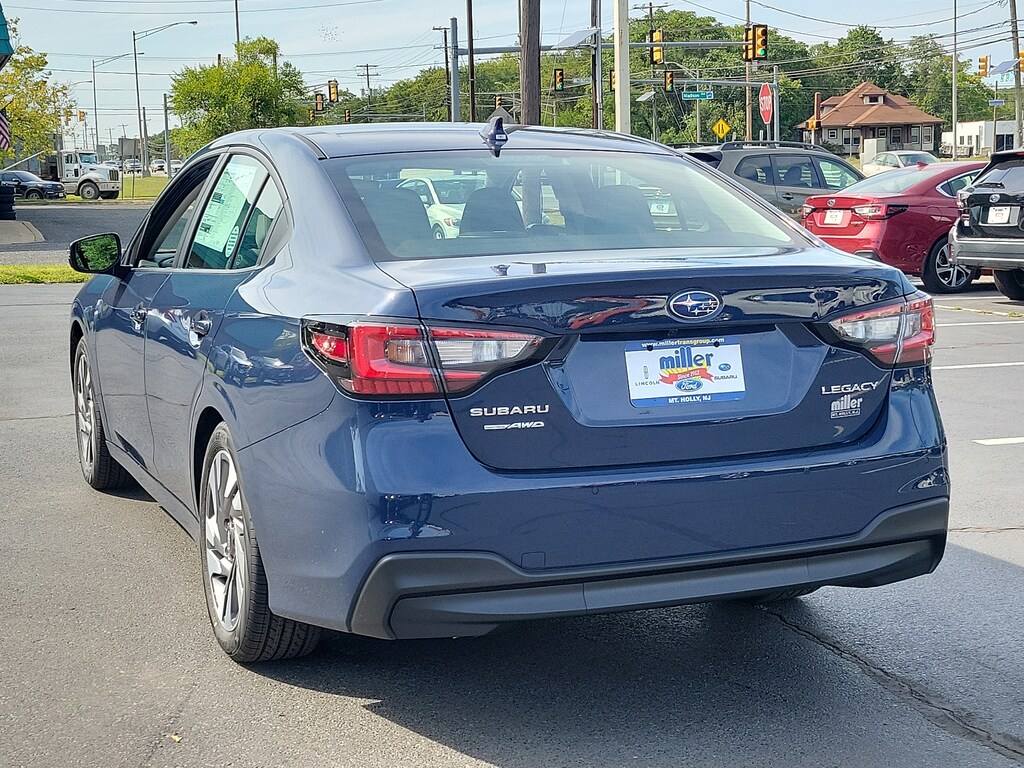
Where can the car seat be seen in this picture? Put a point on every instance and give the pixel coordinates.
(490, 210)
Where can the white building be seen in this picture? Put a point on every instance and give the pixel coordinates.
(979, 138)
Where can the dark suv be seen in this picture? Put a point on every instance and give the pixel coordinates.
(785, 173)
(989, 231)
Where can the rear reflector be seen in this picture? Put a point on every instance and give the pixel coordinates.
(399, 359)
(896, 334)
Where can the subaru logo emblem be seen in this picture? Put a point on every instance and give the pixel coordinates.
(695, 305)
(993, 198)
(831, 201)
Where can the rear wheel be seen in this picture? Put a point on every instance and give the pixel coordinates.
(1010, 283)
(940, 275)
(88, 191)
(99, 468)
(109, 195)
(234, 581)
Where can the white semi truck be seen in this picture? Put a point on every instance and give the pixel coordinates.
(82, 174)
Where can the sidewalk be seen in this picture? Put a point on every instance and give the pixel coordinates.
(18, 232)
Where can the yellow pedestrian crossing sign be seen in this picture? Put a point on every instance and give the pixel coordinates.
(721, 128)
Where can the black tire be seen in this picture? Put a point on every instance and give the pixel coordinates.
(438, 232)
(88, 191)
(33, 194)
(253, 633)
(100, 469)
(109, 195)
(782, 595)
(1010, 283)
(939, 275)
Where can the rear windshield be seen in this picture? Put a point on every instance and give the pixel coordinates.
(468, 203)
(919, 157)
(889, 183)
(1008, 174)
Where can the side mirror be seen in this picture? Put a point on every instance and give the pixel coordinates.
(95, 254)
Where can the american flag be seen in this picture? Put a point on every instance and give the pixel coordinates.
(5, 130)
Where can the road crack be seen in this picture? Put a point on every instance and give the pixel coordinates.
(987, 529)
(927, 703)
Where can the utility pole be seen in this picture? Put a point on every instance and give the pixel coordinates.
(456, 105)
(620, 41)
(145, 145)
(447, 70)
(596, 74)
(167, 141)
(367, 72)
(654, 91)
(238, 30)
(529, 62)
(471, 60)
(746, 89)
(956, 61)
(1019, 131)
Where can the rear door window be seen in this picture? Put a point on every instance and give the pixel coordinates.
(835, 174)
(795, 171)
(757, 168)
(1008, 175)
(220, 225)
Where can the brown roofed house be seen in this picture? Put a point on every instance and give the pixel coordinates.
(871, 112)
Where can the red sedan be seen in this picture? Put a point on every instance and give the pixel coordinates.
(901, 218)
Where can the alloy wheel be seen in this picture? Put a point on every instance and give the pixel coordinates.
(951, 275)
(224, 533)
(85, 412)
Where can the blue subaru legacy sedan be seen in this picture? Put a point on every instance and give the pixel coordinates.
(626, 383)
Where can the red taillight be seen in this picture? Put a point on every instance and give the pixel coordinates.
(896, 334)
(874, 211)
(399, 360)
(806, 210)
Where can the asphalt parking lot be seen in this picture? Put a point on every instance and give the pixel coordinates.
(106, 658)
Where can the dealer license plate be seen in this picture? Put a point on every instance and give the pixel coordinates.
(999, 214)
(675, 372)
(833, 217)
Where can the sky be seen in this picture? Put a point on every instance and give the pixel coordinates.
(329, 38)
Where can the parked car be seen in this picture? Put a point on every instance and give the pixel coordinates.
(988, 232)
(31, 187)
(889, 161)
(783, 173)
(132, 166)
(901, 218)
(444, 199)
(372, 430)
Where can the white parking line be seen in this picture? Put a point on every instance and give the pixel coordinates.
(1001, 441)
(979, 311)
(981, 322)
(973, 365)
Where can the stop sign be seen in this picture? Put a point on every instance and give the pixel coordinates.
(764, 103)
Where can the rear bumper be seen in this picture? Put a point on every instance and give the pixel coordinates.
(986, 252)
(446, 594)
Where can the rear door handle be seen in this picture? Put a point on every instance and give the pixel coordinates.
(786, 195)
(201, 323)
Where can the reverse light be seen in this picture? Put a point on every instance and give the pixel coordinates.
(875, 211)
(806, 210)
(896, 334)
(398, 359)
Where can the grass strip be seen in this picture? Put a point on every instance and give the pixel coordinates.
(24, 274)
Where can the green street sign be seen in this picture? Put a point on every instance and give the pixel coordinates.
(696, 95)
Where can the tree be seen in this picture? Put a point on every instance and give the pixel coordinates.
(931, 83)
(253, 91)
(33, 104)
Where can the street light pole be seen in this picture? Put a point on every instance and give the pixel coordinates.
(136, 36)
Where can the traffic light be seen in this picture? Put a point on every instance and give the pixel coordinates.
(559, 79)
(813, 124)
(332, 91)
(1020, 60)
(312, 116)
(984, 63)
(348, 115)
(669, 81)
(81, 115)
(657, 51)
(67, 116)
(611, 79)
(319, 102)
(497, 102)
(748, 44)
(760, 52)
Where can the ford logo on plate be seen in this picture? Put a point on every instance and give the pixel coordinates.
(695, 305)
